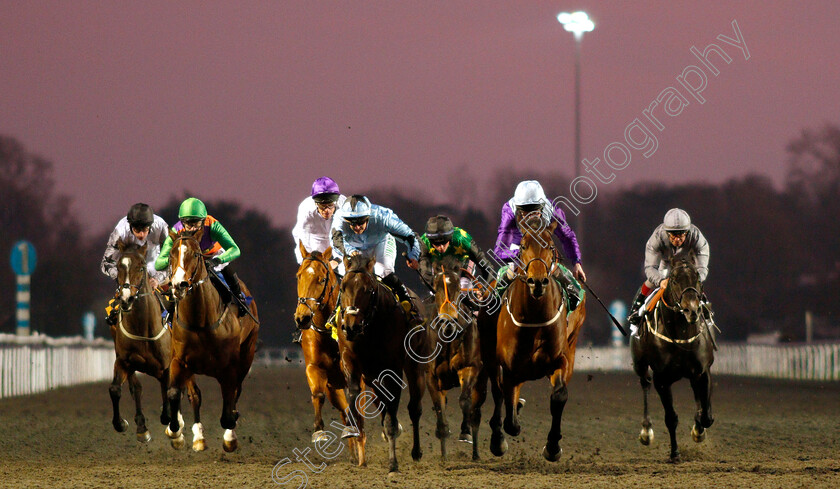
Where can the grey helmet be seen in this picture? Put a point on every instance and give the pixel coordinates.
(677, 220)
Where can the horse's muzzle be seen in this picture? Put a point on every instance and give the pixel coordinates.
(303, 321)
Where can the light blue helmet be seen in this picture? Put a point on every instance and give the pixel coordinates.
(356, 208)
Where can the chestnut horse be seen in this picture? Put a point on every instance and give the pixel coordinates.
(207, 336)
(535, 337)
(317, 288)
(453, 332)
(371, 337)
(141, 342)
(676, 342)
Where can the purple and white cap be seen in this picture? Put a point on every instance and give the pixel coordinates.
(325, 190)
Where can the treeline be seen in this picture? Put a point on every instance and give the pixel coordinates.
(775, 253)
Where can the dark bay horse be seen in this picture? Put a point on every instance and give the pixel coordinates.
(207, 336)
(675, 342)
(141, 342)
(317, 288)
(372, 332)
(453, 333)
(535, 338)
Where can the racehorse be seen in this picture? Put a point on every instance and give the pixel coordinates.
(453, 332)
(141, 342)
(207, 336)
(317, 287)
(676, 342)
(372, 332)
(535, 338)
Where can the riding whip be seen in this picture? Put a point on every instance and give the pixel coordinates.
(614, 320)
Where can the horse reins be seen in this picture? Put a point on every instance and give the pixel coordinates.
(374, 300)
(190, 287)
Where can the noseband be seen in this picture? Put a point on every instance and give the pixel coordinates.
(126, 305)
(319, 300)
(197, 254)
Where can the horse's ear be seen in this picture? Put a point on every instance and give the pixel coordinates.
(198, 234)
(173, 235)
(120, 245)
(346, 262)
(302, 248)
(552, 226)
(327, 254)
(142, 249)
(370, 264)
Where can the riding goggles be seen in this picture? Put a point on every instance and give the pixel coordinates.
(356, 221)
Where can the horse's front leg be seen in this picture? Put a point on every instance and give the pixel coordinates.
(702, 387)
(646, 435)
(178, 375)
(467, 377)
(559, 395)
(317, 380)
(510, 390)
(479, 395)
(194, 396)
(438, 396)
(229, 384)
(165, 413)
(663, 387)
(415, 374)
(355, 421)
(392, 430)
(136, 389)
(498, 444)
(115, 391)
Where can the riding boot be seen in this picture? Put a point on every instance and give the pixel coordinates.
(638, 301)
(407, 304)
(236, 291)
(112, 312)
(503, 280)
(567, 281)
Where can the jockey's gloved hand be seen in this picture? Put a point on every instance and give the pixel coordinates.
(213, 262)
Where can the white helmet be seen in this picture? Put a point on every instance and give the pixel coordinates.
(355, 208)
(528, 192)
(677, 220)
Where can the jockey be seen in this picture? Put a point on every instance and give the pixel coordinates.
(315, 218)
(676, 236)
(364, 228)
(529, 197)
(443, 239)
(140, 227)
(218, 248)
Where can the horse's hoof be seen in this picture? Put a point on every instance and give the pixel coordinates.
(646, 436)
(393, 473)
(121, 426)
(520, 404)
(199, 445)
(552, 457)
(416, 454)
(697, 436)
(178, 442)
(498, 445)
(231, 443)
(144, 437)
(466, 438)
(319, 435)
(512, 429)
(349, 432)
(674, 458)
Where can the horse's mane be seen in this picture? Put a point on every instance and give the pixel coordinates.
(682, 263)
(451, 263)
(357, 263)
(317, 255)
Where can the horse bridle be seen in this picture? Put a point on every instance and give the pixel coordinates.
(327, 286)
(676, 307)
(374, 299)
(197, 254)
(133, 297)
(550, 268)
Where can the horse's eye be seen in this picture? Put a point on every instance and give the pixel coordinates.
(323, 280)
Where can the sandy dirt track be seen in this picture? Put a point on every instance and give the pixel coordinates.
(767, 433)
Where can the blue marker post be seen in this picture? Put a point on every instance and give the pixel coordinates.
(23, 261)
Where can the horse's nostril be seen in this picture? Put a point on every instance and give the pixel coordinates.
(530, 282)
(182, 285)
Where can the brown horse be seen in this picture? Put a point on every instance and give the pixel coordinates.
(535, 338)
(677, 341)
(372, 337)
(453, 332)
(317, 287)
(207, 336)
(141, 342)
